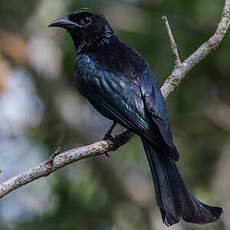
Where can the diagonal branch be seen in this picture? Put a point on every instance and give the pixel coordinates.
(62, 159)
(101, 147)
(208, 47)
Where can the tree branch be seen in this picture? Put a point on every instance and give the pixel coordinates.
(62, 159)
(208, 47)
(101, 147)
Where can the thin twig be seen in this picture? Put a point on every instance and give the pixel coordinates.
(172, 42)
(104, 146)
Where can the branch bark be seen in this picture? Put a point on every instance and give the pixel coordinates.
(101, 147)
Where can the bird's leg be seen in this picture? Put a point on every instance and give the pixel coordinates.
(108, 133)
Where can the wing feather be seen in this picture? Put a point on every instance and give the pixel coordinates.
(156, 107)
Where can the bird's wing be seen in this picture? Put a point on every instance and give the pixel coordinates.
(156, 107)
(114, 96)
(120, 99)
(155, 104)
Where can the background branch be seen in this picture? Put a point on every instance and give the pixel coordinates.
(202, 52)
(104, 146)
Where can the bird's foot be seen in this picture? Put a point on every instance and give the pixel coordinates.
(107, 154)
(107, 136)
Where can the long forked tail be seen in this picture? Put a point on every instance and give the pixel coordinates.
(173, 198)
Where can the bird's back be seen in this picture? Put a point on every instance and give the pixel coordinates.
(118, 59)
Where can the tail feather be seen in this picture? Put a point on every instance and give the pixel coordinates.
(173, 198)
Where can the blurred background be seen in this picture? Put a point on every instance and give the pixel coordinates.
(40, 109)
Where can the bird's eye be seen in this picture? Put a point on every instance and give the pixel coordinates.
(86, 21)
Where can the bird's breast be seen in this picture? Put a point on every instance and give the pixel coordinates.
(84, 71)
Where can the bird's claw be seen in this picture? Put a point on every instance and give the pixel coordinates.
(107, 154)
(107, 136)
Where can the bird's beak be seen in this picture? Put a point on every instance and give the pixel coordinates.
(63, 22)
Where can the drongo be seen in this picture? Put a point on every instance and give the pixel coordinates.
(119, 83)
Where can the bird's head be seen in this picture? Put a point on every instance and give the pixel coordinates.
(88, 29)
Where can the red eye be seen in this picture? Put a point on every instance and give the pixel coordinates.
(86, 21)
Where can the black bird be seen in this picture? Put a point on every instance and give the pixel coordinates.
(121, 86)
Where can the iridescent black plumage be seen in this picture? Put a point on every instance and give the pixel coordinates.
(121, 86)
